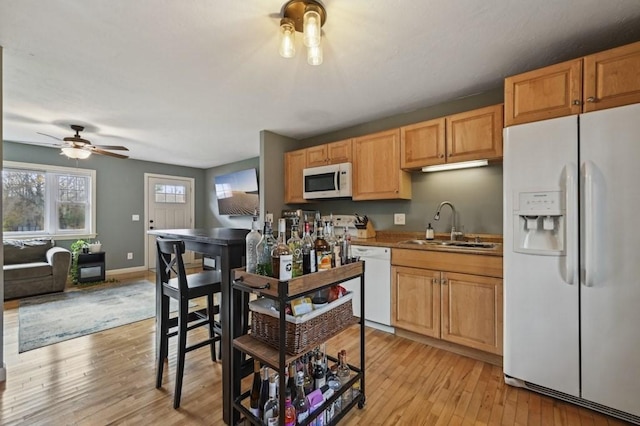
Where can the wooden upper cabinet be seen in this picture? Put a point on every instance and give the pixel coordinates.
(549, 92)
(603, 80)
(422, 144)
(332, 153)
(376, 167)
(475, 135)
(294, 164)
(612, 78)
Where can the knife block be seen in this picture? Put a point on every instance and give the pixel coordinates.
(365, 231)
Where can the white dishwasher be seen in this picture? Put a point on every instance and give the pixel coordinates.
(377, 284)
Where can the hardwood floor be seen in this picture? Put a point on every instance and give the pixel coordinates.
(109, 378)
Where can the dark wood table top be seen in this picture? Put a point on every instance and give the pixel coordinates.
(219, 236)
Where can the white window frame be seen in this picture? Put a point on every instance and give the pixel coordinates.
(52, 205)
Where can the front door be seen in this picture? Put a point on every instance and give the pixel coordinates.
(169, 205)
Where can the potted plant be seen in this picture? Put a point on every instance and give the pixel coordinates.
(77, 247)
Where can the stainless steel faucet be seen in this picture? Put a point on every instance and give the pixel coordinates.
(454, 234)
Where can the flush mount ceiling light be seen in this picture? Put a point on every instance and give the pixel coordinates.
(453, 166)
(306, 17)
(76, 153)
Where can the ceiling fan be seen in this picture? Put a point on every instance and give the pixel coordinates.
(79, 148)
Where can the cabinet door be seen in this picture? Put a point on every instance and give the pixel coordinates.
(316, 156)
(475, 135)
(549, 92)
(612, 78)
(376, 167)
(472, 311)
(339, 152)
(415, 300)
(294, 164)
(422, 144)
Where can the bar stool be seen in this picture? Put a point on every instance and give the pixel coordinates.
(183, 287)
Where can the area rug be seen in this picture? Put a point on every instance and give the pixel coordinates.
(53, 318)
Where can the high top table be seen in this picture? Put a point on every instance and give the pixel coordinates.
(227, 246)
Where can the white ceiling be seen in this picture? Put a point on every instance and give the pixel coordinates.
(193, 82)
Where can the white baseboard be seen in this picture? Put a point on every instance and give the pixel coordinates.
(126, 270)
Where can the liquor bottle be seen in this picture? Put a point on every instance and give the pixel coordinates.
(263, 249)
(309, 262)
(331, 240)
(320, 369)
(301, 403)
(295, 246)
(264, 389)
(346, 246)
(307, 376)
(281, 256)
(344, 374)
(252, 240)
(289, 410)
(271, 409)
(254, 399)
(323, 251)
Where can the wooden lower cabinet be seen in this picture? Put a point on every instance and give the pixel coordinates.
(415, 300)
(461, 308)
(472, 311)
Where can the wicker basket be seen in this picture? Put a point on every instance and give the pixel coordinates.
(303, 332)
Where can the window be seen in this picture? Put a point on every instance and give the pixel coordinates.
(170, 193)
(46, 200)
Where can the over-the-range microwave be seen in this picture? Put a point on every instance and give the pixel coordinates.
(332, 181)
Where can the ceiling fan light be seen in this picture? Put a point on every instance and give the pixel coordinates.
(76, 153)
(312, 26)
(287, 38)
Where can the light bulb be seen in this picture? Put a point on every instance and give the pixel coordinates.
(314, 55)
(76, 153)
(312, 26)
(287, 38)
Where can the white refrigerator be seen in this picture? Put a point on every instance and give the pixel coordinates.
(572, 259)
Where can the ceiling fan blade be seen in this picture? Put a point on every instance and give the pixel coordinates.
(54, 145)
(44, 134)
(111, 154)
(114, 147)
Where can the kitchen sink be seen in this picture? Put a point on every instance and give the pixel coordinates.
(451, 243)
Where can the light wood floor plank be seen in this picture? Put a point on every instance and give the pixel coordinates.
(109, 378)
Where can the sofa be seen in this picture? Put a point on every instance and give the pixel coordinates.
(34, 267)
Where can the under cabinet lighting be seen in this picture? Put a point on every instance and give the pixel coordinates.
(454, 166)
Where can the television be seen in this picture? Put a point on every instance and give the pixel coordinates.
(237, 193)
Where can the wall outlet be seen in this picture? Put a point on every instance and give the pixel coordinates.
(129, 256)
(135, 217)
(398, 219)
(268, 217)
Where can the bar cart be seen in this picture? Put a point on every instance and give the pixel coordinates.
(290, 343)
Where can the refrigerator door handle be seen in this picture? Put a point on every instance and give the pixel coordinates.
(571, 222)
(589, 225)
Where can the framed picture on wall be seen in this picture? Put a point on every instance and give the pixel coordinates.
(237, 193)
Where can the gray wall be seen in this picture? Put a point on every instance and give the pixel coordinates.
(119, 194)
(476, 193)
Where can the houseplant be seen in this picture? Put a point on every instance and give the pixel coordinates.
(76, 248)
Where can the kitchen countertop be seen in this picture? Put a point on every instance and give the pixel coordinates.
(394, 239)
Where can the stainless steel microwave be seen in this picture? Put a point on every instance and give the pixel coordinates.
(332, 181)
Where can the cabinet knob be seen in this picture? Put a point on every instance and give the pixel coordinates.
(443, 281)
(441, 155)
(591, 99)
(434, 280)
(576, 102)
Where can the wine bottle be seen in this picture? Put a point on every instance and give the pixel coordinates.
(264, 390)
(252, 240)
(254, 399)
(271, 409)
(281, 257)
(295, 246)
(301, 403)
(289, 410)
(309, 262)
(320, 369)
(263, 250)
